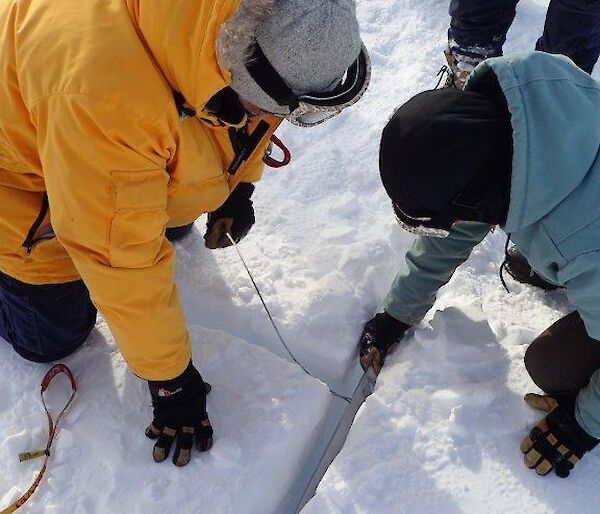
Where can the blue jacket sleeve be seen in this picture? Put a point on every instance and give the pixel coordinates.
(429, 264)
(581, 277)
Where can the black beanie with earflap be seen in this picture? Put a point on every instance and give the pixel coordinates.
(446, 154)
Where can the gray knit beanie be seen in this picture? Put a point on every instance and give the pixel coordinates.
(310, 43)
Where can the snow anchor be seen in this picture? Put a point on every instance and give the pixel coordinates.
(52, 428)
(338, 395)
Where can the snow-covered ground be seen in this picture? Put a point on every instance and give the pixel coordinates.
(440, 433)
(265, 412)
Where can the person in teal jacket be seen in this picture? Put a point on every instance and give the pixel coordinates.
(518, 148)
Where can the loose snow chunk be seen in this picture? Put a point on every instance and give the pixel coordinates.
(441, 434)
(264, 410)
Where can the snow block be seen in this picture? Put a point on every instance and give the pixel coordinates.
(265, 412)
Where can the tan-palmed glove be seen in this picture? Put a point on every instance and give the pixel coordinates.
(379, 337)
(180, 416)
(234, 217)
(557, 442)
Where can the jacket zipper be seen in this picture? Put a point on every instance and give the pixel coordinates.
(30, 239)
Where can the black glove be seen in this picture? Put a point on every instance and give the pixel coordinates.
(557, 442)
(180, 413)
(235, 216)
(380, 335)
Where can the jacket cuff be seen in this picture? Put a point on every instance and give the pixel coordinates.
(243, 190)
(587, 406)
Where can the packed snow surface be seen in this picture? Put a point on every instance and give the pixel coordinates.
(440, 433)
(264, 410)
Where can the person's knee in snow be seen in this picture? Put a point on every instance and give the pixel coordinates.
(563, 358)
(45, 323)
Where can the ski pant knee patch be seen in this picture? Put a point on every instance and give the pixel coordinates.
(563, 357)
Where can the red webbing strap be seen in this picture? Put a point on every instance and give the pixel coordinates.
(287, 155)
(52, 427)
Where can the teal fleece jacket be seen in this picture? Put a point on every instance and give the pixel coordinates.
(554, 209)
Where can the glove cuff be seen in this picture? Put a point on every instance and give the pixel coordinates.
(180, 402)
(392, 326)
(165, 389)
(243, 190)
(564, 425)
(239, 196)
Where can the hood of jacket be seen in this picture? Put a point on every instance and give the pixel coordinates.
(556, 139)
(194, 43)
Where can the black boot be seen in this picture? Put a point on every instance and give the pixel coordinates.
(518, 268)
(458, 69)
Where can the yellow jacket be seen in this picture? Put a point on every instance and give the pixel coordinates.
(87, 115)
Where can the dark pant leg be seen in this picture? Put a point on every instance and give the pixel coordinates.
(563, 358)
(45, 322)
(478, 27)
(573, 29)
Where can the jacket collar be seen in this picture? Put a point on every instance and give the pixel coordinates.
(182, 39)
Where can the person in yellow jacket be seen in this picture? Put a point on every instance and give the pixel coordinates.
(121, 119)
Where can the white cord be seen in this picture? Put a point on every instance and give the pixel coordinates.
(346, 398)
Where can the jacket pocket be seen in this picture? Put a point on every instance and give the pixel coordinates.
(136, 233)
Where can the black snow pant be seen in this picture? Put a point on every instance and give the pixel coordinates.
(478, 29)
(45, 322)
(562, 359)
